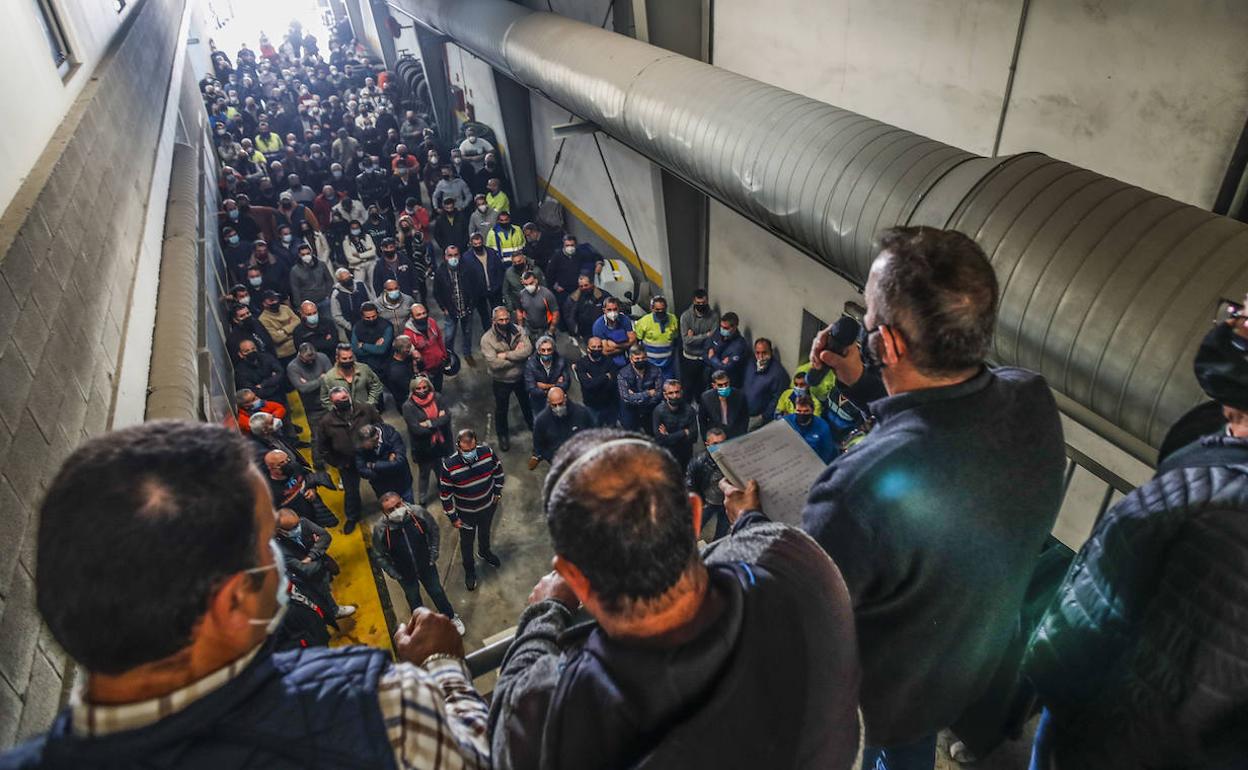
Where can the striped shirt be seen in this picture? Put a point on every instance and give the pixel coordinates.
(470, 487)
(434, 719)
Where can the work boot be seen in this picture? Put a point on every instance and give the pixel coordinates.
(491, 559)
(470, 581)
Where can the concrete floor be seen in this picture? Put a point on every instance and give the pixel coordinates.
(519, 535)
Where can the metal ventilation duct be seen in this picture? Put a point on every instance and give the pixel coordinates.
(1106, 288)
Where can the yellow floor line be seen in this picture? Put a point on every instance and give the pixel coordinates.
(355, 583)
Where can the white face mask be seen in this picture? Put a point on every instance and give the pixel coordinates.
(482, 208)
(569, 250)
(306, 258)
(612, 315)
(397, 515)
(531, 288)
(283, 590)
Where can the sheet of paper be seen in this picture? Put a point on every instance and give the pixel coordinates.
(782, 463)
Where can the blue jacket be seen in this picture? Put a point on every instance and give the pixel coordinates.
(315, 707)
(385, 474)
(763, 389)
(494, 270)
(936, 521)
(817, 434)
(633, 386)
(534, 373)
(735, 351)
(364, 336)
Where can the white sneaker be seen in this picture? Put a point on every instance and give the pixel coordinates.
(459, 624)
(346, 610)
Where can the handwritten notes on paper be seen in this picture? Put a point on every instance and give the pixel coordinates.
(782, 463)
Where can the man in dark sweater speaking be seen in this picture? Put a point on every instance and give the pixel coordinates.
(935, 519)
(740, 657)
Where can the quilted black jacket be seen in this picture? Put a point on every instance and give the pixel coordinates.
(1143, 657)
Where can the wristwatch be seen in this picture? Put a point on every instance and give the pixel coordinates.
(440, 656)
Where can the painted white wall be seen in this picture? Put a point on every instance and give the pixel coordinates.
(30, 84)
(581, 178)
(1147, 91)
(769, 283)
(935, 67)
(476, 78)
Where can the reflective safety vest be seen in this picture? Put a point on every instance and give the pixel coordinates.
(498, 201)
(658, 339)
(268, 146)
(505, 242)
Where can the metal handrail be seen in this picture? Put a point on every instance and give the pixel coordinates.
(488, 658)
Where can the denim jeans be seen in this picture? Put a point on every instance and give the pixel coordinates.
(451, 327)
(919, 755)
(428, 578)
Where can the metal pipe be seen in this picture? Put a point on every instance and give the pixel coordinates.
(1106, 288)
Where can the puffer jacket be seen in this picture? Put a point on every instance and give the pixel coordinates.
(1142, 659)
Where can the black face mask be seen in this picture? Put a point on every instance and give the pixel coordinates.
(674, 403)
(805, 420)
(869, 358)
(249, 356)
(346, 366)
(503, 329)
(640, 365)
(699, 309)
(420, 323)
(342, 407)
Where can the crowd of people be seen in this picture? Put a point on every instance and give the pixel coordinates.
(892, 612)
(332, 292)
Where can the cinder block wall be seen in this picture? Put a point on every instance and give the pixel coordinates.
(68, 248)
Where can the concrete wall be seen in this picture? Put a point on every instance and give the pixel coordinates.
(68, 261)
(1151, 92)
(31, 85)
(769, 283)
(476, 78)
(580, 183)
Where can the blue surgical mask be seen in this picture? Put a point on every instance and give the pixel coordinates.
(234, 214)
(312, 319)
(393, 296)
(255, 280)
(233, 240)
(725, 391)
(798, 391)
(469, 456)
(287, 238)
(725, 332)
(546, 357)
(452, 261)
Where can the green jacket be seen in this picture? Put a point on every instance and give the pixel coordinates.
(365, 387)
